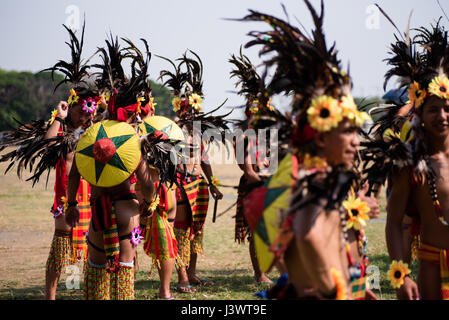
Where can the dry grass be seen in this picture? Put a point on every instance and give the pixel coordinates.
(26, 230)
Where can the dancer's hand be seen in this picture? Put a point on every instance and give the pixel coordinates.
(408, 291)
(72, 216)
(372, 202)
(63, 109)
(215, 192)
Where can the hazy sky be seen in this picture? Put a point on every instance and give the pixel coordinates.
(32, 36)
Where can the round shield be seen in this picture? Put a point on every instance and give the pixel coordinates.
(108, 153)
(163, 126)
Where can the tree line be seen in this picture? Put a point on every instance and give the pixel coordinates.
(27, 96)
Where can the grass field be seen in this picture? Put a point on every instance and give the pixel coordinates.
(26, 230)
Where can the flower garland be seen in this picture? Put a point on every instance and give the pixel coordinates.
(194, 100)
(325, 112)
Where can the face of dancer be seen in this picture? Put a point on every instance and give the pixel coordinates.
(435, 116)
(339, 145)
(78, 117)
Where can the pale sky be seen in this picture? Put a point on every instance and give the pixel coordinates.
(32, 37)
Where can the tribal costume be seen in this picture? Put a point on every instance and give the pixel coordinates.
(110, 152)
(160, 241)
(260, 114)
(322, 98)
(186, 87)
(41, 147)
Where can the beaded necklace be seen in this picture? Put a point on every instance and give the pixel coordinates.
(433, 193)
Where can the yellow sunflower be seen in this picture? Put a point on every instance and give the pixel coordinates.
(324, 113)
(397, 272)
(176, 102)
(73, 97)
(54, 114)
(195, 101)
(340, 284)
(440, 87)
(416, 95)
(357, 212)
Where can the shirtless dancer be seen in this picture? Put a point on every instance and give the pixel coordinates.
(314, 233)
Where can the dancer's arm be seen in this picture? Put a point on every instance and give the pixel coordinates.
(396, 207)
(62, 109)
(72, 214)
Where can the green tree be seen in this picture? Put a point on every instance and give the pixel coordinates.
(162, 97)
(27, 96)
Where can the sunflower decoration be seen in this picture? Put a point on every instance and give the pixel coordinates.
(176, 102)
(440, 87)
(103, 100)
(348, 107)
(317, 163)
(254, 108)
(340, 284)
(195, 101)
(357, 212)
(139, 104)
(152, 104)
(153, 206)
(416, 95)
(73, 97)
(397, 272)
(324, 113)
(214, 181)
(361, 117)
(54, 114)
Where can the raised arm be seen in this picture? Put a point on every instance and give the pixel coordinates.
(62, 109)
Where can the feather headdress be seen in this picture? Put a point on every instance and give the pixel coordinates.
(306, 68)
(420, 63)
(31, 150)
(260, 114)
(186, 85)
